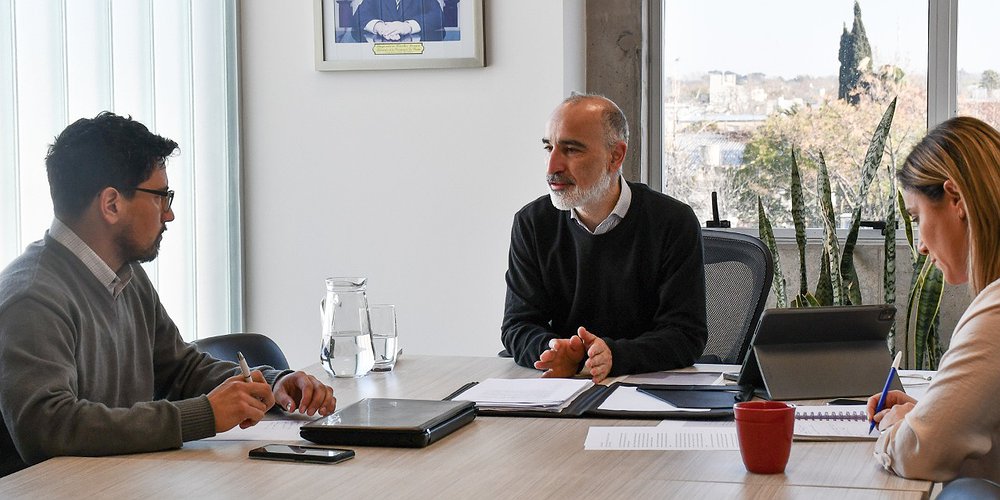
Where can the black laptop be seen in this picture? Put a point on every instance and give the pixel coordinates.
(407, 423)
(820, 352)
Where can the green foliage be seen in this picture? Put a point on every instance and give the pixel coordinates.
(924, 301)
(831, 245)
(764, 160)
(873, 158)
(767, 236)
(990, 80)
(889, 270)
(838, 285)
(922, 310)
(855, 59)
(800, 227)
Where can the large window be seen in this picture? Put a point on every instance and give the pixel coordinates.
(747, 83)
(170, 65)
(978, 61)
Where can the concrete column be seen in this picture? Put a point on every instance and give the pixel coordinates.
(614, 67)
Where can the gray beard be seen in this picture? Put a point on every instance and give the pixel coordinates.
(576, 197)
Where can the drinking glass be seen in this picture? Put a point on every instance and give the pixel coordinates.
(383, 321)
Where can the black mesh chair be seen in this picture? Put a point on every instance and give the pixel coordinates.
(256, 348)
(968, 488)
(738, 274)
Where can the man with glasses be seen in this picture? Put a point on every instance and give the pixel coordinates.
(90, 362)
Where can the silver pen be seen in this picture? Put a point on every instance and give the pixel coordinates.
(244, 368)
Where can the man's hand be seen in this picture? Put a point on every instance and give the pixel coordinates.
(598, 355)
(392, 30)
(304, 393)
(401, 27)
(562, 359)
(237, 402)
(897, 405)
(385, 30)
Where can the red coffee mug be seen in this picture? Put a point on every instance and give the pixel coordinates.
(765, 432)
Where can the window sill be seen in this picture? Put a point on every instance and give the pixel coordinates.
(866, 236)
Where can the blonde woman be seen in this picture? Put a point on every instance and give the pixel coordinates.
(951, 184)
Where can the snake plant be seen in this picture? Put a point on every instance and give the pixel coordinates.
(838, 282)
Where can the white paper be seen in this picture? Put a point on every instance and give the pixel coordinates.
(265, 430)
(629, 399)
(661, 438)
(525, 393)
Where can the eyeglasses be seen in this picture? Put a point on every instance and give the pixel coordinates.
(168, 195)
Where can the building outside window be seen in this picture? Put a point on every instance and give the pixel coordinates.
(746, 84)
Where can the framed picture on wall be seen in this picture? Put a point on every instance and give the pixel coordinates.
(398, 34)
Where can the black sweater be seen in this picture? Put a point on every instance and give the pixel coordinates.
(640, 286)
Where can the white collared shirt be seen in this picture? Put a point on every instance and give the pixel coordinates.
(616, 215)
(111, 280)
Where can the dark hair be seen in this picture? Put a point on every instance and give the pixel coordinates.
(95, 153)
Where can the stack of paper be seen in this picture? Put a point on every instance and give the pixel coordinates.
(538, 394)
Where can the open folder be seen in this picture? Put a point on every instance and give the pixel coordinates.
(618, 400)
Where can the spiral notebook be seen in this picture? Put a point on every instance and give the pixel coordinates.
(832, 423)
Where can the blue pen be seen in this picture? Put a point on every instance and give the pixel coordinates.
(885, 390)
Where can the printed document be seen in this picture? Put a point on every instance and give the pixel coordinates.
(677, 435)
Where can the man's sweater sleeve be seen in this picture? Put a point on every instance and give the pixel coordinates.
(185, 375)
(525, 331)
(41, 408)
(679, 330)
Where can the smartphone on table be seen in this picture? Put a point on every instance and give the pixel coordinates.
(299, 453)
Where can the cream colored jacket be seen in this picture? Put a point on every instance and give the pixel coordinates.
(954, 431)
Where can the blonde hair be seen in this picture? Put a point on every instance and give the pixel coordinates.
(966, 151)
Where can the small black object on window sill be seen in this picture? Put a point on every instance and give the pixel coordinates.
(715, 222)
(874, 224)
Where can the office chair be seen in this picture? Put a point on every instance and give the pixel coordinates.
(968, 488)
(256, 348)
(738, 274)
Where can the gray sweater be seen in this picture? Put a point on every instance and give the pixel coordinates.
(85, 373)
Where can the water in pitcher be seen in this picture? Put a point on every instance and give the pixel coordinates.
(347, 332)
(348, 354)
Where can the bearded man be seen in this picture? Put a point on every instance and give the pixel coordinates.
(605, 275)
(92, 364)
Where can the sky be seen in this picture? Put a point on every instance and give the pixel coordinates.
(802, 37)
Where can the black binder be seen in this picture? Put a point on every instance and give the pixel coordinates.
(406, 423)
(820, 352)
(588, 403)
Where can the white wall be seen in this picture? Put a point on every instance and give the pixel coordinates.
(410, 178)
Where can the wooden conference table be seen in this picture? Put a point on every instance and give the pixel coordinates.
(492, 457)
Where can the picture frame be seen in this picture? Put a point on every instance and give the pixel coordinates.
(398, 34)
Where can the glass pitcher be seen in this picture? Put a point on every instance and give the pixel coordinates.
(347, 335)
